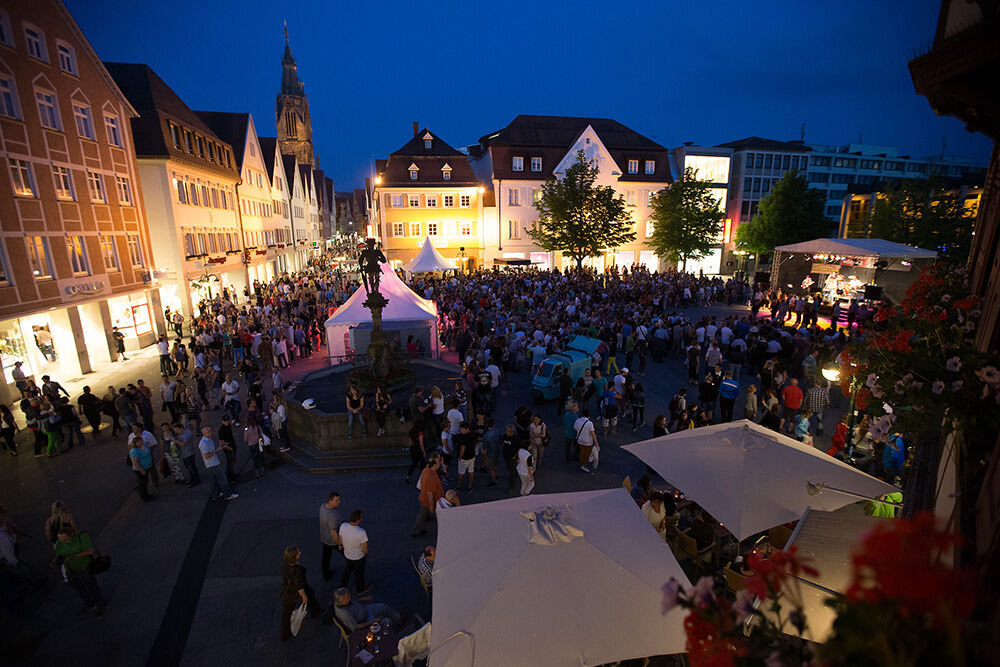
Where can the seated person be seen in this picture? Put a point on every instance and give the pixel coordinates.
(353, 615)
(654, 511)
(703, 530)
(425, 566)
(449, 499)
(640, 492)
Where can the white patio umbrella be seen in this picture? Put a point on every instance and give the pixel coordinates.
(579, 584)
(751, 478)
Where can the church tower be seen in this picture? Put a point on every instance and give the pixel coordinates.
(294, 126)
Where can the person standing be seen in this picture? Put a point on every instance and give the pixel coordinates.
(77, 551)
(253, 436)
(430, 491)
(142, 463)
(570, 416)
(792, 398)
(586, 438)
(464, 443)
(227, 439)
(329, 535)
(383, 402)
(354, 540)
(184, 439)
(525, 469)
(90, 406)
(295, 590)
(538, 436)
(8, 428)
(167, 390)
(213, 466)
(729, 389)
(231, 397)
(817, 400)
(119, 339)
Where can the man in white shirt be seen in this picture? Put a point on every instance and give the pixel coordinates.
(494, 372)
(586, 438)
(167, 389)
(455, 420)
(231, 397)
(163, 347)
(213, 465)
(354, 540)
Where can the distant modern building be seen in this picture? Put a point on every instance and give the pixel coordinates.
(712, 165)
(74, 245)
(189, 178)
(516, 160)
(427, 189)
(855, 214)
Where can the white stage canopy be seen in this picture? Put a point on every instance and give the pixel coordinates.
(859, 248)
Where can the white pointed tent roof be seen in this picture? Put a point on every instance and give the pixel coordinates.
(429, 259)
(404, 304)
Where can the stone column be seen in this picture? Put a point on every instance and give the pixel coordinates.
(76, 326)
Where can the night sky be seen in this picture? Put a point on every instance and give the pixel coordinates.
(675, 71)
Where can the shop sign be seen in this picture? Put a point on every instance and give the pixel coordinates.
(825, 268)
(261, 252)
(79, 289)
(216, 260)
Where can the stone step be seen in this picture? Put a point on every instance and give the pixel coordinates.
(321, 462)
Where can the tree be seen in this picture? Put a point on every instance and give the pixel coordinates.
(579, 218)
(921, 213)
(687, 219)
(790, 213)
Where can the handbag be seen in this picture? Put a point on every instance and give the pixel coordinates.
(546, 438)
(298, 615)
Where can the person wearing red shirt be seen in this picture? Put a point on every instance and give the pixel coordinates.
(791, 396)
(431, 491)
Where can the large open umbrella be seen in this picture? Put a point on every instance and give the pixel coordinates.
(751, 478)
(567, 579)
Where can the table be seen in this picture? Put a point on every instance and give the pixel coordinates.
(382, 644)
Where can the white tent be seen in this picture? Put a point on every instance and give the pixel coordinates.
(859, 248)
(429, 259)
(751, 478)
(406, 312)
(514, 587)
(827, 540)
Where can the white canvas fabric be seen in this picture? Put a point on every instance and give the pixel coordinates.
(860, 248)
(561, 603)
(429, 259)
(750, 478)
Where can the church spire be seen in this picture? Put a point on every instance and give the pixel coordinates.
(292, 111)
(290, 84)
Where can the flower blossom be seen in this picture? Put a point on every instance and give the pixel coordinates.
(671, 595)
(937, 386)
(954, 364)
(702, 595)
(743, 606)
(988, 375)
(957, 384)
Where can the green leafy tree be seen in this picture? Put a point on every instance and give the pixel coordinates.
(579, 218)
(790, 213)
(687, 219)
(922, 213)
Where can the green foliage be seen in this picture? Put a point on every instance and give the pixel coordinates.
(792, 212)
(687, 219)
(579, 218)
(921, 213)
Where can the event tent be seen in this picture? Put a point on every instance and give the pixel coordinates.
(751, 478)
(577, 585)
(406, 313)
(429, 259)
(859, 248)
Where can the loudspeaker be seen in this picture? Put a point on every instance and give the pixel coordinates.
(873, 292)
(763, 278)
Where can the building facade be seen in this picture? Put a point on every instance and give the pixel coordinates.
(292, 119)
(285, 255)
(427, 189)
(712, 165)
(516, 160)
(189, 178)
(75, 254)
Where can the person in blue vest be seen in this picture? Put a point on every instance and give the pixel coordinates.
(893, 457)
(729, 389)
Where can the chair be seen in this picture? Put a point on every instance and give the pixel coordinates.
(344, 636)
(735, 581)
(423, 584)
(670, 534)
(627, 483)
(689, 548)
(778, 536)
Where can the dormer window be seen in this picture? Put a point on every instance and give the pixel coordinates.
(536, 164)
(633, 166)
(428, 141)
(650, 167)
(517, 163)
(414, 169)
(446, 172)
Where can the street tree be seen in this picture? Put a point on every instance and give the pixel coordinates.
(687, 219)
(923, 213)
(790, 213)
(580, 218)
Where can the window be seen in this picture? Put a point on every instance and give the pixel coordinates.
(67, 58)
(110, 253)
(38, 257)
(24, 179)
(37, 48)
(175, 134)
(818, 177)
(513, 230)
(193, 191)
(84, 123)
(785, 159)
(464, 201)
(449, 201)
(77, 251)
(630, 197)
(64, 183)
(650, 198)
(767, 161)
(765, 186)
(414, 229)
(517, 163)
(135, 250)
(215, 198)
(747, 184)
(894, 166)
(212, 247)
(446, 174)
(398, 229)
(96, 186)
(756, 185)
(114, 132)
(427, 144)
(181, 188)
(201, 146)
(748, 161)
(536, 164)
(633, 166)
(4, 269)
(47, 110)
(465, 228)
(6, 34)
(819, 161)
(432, 229)
(414, 201)
(845, 163)
(758, 160)
(841, 178)
(650, 167)
(649, 229)
(8, 97)
(124, 190)
(204, 195)
(188, 142)
(432, 201)
(514, 197)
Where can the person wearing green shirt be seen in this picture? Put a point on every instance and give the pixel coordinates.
(881, 509)
(77, 551)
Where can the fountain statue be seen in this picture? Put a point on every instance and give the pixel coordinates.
(370, 264)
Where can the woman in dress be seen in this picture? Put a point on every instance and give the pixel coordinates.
(537, 435)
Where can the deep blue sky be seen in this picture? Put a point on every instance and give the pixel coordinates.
(675, 71)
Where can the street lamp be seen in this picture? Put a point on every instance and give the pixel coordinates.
(832, 373)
